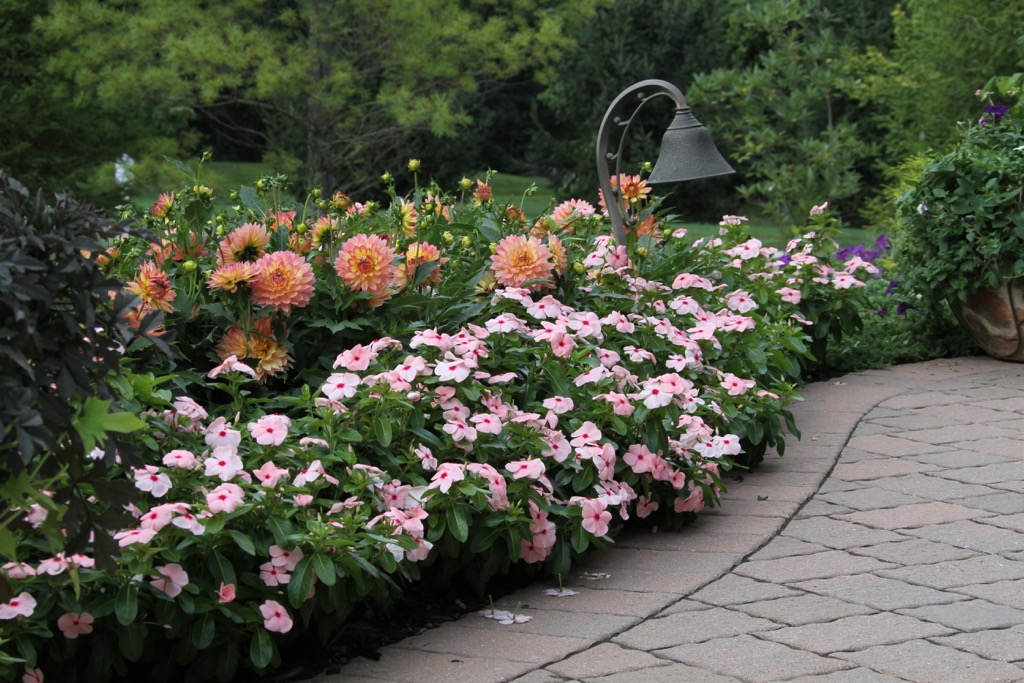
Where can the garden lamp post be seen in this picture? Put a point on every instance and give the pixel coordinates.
(687, 152)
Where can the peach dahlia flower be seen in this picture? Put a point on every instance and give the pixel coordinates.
(284, 279)
(366, 263)
(518, 259)
(259, 344)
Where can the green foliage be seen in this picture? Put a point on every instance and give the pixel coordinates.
(625, 42)
(944, 51)
(471, 414)
(784, 114)
(61, 336)
(898, 327)
(961, 224)
(51, 134)
(340, 89)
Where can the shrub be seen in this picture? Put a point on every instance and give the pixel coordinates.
(961, 225)
(439, 387)
(62, 330)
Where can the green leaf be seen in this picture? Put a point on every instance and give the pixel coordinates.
(324, 568)
(251, 200)
(182, 167)
(126, 604)
(382, 430)
(281, 529)
(579, 538)
(242, 541)
(457, 522)
(483, 541)
(130, 639)
(95, 420)
(203, 631)
(423, 271)
(300, 582)
(558, 380)
(222, 570)
(228, 661)
(8, 544)
(261, 649)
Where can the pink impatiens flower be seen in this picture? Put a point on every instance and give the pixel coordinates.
(736, 386)
(153, 481)
(21, 605)
(231, 364)
(447, 474)
(269, 474)
(486, 423)
(219, 433)
(587, 435)
(289, 559)
(275, 617)
(270, 430)
(32, 676)
(356, 359)
(179, 458)
(340, 385)
(225, 498)
(226, 593)
(596, 517)
(175, 578)
(273, 575)
(127, 538)
(789, 295)
(224, 463)
(532, 469)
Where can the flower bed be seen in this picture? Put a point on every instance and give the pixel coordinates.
(370, 396)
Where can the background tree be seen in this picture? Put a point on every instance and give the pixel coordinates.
(334, 90)
(944, 51)
(626, 42)
(783, 111)
(52, 133)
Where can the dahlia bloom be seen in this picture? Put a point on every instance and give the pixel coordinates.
(558, 254)
(415, 255)
(260, 344)
(483, 192)
(284, 279)
(407, 217)
(568, 212)
(247, 242)
(366, 263)
(322, 230)
(228, 276)
(632, 188)
(153, 286)
(162, 205)
(519, 259)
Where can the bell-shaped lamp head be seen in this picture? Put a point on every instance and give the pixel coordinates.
(687, 152)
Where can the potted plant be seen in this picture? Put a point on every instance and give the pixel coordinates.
(961, 223)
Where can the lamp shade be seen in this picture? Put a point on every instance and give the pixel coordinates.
(687, 152)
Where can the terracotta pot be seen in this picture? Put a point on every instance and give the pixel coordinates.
(994, 317)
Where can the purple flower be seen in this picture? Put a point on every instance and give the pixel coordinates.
(997, 111)
(902, 307)
(785, 259)
(893, 284)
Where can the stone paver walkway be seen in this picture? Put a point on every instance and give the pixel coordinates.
(887, 545)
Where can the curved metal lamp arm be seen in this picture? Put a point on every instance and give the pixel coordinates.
(645, 91)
